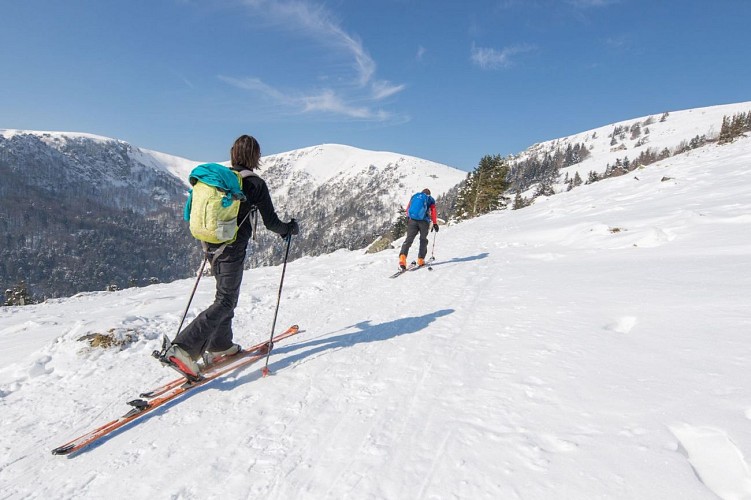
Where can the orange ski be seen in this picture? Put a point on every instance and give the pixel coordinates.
(172, 390)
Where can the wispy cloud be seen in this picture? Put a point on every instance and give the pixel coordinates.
(382, 89)
(617, 42)
(420, 53)
(315, 21)
(584, 4)
(324, 101)
(489, 58)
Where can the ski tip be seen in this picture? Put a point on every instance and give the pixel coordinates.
(63, 450)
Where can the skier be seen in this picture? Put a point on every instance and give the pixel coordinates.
(422, 215)
(209, 335)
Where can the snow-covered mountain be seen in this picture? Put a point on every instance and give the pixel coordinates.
(664, 133)
(83, 192)
(346, 197)
(81, 212)
(592, 345)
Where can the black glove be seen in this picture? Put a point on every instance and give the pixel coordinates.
(435, 227)
(292, 229)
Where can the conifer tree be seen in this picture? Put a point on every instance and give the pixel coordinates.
(399, 228)
(577, 179)
(484, 188)
(520, 201)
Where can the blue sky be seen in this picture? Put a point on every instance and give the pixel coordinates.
(449, 81)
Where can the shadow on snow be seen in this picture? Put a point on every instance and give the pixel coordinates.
(460, 259)
(365, 332)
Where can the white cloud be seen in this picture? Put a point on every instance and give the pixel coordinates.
(255, 84)
(319, 23)
(325, 101)
(383, 89)
(591, 3)
(489, 58)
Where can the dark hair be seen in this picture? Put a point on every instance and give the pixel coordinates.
(245, 153)
(426, 191)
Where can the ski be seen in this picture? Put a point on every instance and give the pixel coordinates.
(171, 391)
(414, 267)
(411, 267)
(428, 265)
(218, 363)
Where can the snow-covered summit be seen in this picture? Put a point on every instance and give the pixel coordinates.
(335, 162)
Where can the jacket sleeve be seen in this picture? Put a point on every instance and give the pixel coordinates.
(260, 197)
(433, 214)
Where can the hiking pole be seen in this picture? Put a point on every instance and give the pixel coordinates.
(200, 273)
(265, 369)
(432, 253)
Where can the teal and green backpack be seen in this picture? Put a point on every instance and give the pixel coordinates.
(214, 202)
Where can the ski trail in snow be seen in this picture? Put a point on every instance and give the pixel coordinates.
(717, 462)
(428, 480)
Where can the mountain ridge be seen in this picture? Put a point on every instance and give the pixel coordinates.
(123, 185)
(343, 196)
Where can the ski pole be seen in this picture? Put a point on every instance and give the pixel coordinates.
(200, 273)
(432, 250)
(265, 369)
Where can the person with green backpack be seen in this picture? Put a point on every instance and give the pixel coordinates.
(219, 210)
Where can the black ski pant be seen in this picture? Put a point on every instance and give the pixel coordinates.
(414, 227)
(212, 329)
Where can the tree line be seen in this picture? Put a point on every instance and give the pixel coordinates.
(491, 185)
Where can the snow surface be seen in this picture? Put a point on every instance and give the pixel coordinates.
(593, 345)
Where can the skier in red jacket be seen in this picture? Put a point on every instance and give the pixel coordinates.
(422, 215)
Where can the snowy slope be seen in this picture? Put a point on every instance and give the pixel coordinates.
(659, 131)
(593, 345)
(329, 164)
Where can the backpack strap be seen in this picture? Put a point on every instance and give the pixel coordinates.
(253, 213)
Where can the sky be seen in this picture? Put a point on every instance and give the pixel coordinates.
(446, 81)
(593, 345)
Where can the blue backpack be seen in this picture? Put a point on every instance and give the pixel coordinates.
(418, 206)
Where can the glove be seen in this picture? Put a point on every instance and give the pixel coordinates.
(435, 227)
(292, 228)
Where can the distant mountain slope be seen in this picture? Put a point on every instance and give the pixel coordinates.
(91, 211)
(665, 133)
(81, 212)
(346, 197)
